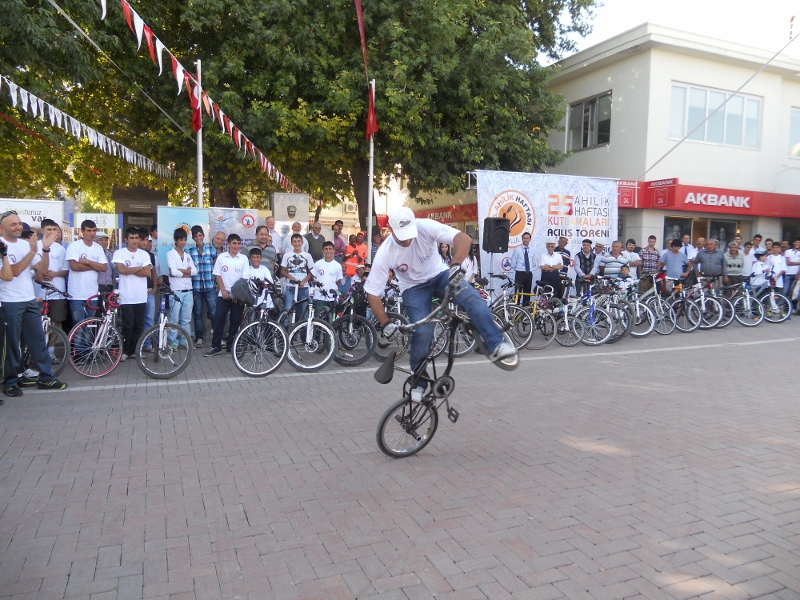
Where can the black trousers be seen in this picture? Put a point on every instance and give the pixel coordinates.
(132, 326)
(524, 281)
(221, 316)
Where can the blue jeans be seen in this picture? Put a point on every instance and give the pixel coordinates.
(345, 287)
(79, 312)
(209, 297)
(24, 327)
(417, 301)
(149, 316)
(180, 313)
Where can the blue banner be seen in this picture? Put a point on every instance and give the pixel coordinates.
(171, 218)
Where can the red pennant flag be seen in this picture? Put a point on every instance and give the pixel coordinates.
(126, 8)
(372, 119)
(148, 34)
(207, 104)
(194, 102)
(228, 125)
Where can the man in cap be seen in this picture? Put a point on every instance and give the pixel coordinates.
(411, 253)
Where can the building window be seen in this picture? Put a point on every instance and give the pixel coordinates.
(735, 124)
(590, 123)
(794, 134)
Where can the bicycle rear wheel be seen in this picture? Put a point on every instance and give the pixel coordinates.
(777, 311)
(544, 330)
(644, 321)
(688, 315)
(664, 315)
(727, 312)
(95, 347)
(260, 348)
(398, 343)
(406, 428)
(712, 311)
(520, 324)
(623, 321)
(598, 327)
(57, 344)
(569, 331)
(748, 311)
(356, 339)
(311, 345)
(167, 359)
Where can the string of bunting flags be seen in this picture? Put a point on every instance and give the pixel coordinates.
(37, 108)
(197, 97)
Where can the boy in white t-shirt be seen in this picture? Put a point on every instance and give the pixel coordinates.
(258, 271)
(296, 267)
(134, 268)
(227, 270)
(86, 258)
(624, 279)
(758, 276)
(328, 273)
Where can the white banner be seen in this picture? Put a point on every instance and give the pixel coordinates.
(33, 211)
(102, 220)
(547, 207)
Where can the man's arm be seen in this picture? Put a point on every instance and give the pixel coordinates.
(376, 304)
(221, 287)
(25, 263)
(461, 245)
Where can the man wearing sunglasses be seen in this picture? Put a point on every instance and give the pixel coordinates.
(22, 314)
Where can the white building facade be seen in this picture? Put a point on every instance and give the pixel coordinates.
(632, 98)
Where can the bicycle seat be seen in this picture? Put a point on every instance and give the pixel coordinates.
(541, 283)
(385, 372)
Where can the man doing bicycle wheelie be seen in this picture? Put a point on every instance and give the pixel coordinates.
(412, 253)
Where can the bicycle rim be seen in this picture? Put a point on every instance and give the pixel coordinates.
(727, 312)
(748, 311)
(167, 359)
(356, 338)
(712, 313)
(57, 348)
(569, 331)
(687, 315)
(544, 331)
(441, 337)
(644, 321)
(597, 328)
(260, 348)
(663, 314)
(311, 346)
(464, 341)
(90, 355)
(406, 428)
(777, 311)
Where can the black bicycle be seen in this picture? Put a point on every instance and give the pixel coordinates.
(408, 425)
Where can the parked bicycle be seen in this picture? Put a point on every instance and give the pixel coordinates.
(356, 336)
(312, 342)
(95, 344)
(55, 337)
(261, 346)
(164, 350)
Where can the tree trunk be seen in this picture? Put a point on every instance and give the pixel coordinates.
(224, 198)
(359, 173)
(317, 212)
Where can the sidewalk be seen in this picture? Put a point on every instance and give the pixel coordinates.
(665, 467)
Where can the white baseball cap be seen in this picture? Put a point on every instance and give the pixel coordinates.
(403, 223)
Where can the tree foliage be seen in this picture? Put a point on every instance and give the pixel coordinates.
(459, 87)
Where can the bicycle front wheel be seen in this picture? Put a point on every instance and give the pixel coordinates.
(748, 311)
(663, 314)
(598, 325)
(727, 312)
(517, 323)
(569, 331)
(688, 315)
(95, 347)
(544, 330)
(712, 311)
(778, 309)
(57, 348)
(644, 321)
(406, 428)
(167, 359)
(356, 339)
(260, 348)
(312, 345)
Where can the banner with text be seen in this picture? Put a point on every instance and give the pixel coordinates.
(547, 207)
(33, 211)
(171, 218)
(241, 221)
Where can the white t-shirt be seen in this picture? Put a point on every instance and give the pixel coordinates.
(19, 289)
(632, 257)
(132, 288)
(778, 265)
(297, 265)
(277, 241)
(470, 266)
(791, 254)
(230, 269)
(83, 284)
(749, 261)
(58, 262)
(263, 274)
(759, 273)
(177, 281)
(327, 273)
(414, 265)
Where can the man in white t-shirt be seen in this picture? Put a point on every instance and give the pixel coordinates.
(277, 240)
(328, 273)
(412, 253)
(296, 268)
(792, 256)
(134, 268)
(22, 315)
(777, 265)
(634, 260)
(228, 270)
(55, 274)
(181, 269)
(86, 258)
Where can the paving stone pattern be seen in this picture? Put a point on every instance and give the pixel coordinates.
(667, 467)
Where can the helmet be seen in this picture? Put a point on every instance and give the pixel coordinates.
(256, 286)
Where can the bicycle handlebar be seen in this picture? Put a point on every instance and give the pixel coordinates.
(50, 288)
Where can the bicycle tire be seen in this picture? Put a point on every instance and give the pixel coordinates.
(748, 311)
(644, 321)
(356, 340)
(56, 339)
(781, 311)
(623, 322)
(544, 330)
(91, 358)
(465, 342)
(166, 360)
(309, 353)
(599, 329)
(406, 428)
(727, 312)
(712, 312)
(398, 343)
(521, 328)
(569, 332)
(260, 348)
(663, 313)
(688, 315)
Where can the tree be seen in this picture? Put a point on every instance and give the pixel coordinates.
(459, 87)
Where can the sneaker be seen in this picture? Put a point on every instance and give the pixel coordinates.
(504, 351)
(123, 358)
(198, 344)
(213, 352)
(174, 346)
(12, 391)
(417, 394)
(53, 384)
(26, 382)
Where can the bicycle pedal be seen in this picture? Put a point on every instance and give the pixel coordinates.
(452, 414)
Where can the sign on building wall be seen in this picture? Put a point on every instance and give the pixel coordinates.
(546, 206)
(102, 220)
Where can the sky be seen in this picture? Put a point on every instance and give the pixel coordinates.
(762, 24)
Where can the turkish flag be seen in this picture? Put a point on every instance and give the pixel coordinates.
(372, 119)
(194, 102)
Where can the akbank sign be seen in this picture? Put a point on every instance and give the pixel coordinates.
(717, 200)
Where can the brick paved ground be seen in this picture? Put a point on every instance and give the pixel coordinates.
(626, 471)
